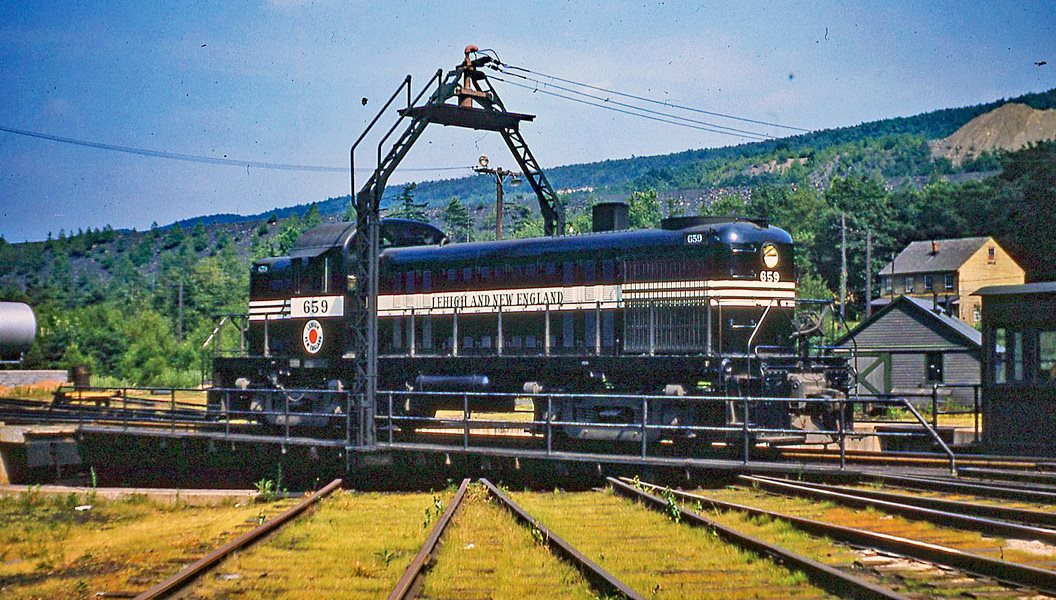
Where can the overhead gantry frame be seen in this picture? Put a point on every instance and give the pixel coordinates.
(470, 85)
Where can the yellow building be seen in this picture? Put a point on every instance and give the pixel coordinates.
(950, 271)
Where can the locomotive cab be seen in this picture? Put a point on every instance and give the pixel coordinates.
(297, 336)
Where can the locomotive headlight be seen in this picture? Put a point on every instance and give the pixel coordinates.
(770, 256)
(352, 282)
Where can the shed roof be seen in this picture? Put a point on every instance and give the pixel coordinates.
(1041, 287)
(918, 257)
(924, 307)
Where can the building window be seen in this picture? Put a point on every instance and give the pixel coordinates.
(1008, 349)
(929, 282)
(947, 281)
(909, 284)
(1047, 355)
(991, 255)
(977, 315)
(997, 350)
(888, 284)
(1016, 352)
(933, 367)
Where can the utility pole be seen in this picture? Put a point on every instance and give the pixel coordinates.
(868, 272)
(892, 294)
(179, 312)
(843, 267)
(499, 174)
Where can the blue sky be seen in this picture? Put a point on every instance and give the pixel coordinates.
(281, 81)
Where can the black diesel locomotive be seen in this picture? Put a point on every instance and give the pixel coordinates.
(701, 306)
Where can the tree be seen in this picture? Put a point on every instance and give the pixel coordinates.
(312, 217)
(407, 208)
(1023, 201)
(199, 237)
(727, 204)
(644, 210)
(456, 219)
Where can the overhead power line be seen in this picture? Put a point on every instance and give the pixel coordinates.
(195, 158)
(627, 112)
(655, 101)
(731, 130)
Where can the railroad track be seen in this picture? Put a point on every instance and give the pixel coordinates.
(1023, 515)
(958, 515)
(18, 411)
(997, 490)
(897, 551)
(835, 581)
(411, 582)
(967, 462)
(188, 574)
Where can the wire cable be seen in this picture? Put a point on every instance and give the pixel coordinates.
(626, 112)
(642, 109)
(653, 100)
(211, 160)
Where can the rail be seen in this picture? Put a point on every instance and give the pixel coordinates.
(598, 577)
(170, 586)
(1023, 575)
(829, 578)
(412, 575)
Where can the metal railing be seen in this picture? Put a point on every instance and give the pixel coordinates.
(286, 412)
(156, 408)
(739, 428)
(938, 400)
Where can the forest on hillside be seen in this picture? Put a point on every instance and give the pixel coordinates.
(137, 307)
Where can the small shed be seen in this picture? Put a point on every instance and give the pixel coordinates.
(1019, 368)
(909, 346)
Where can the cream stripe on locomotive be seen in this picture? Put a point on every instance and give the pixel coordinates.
(272, 310)
(737, 293)
(711, 284)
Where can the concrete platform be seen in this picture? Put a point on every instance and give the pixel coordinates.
(160, 495)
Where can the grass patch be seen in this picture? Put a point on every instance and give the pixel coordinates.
(353, 545)
(487, 554)
(49, 549)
